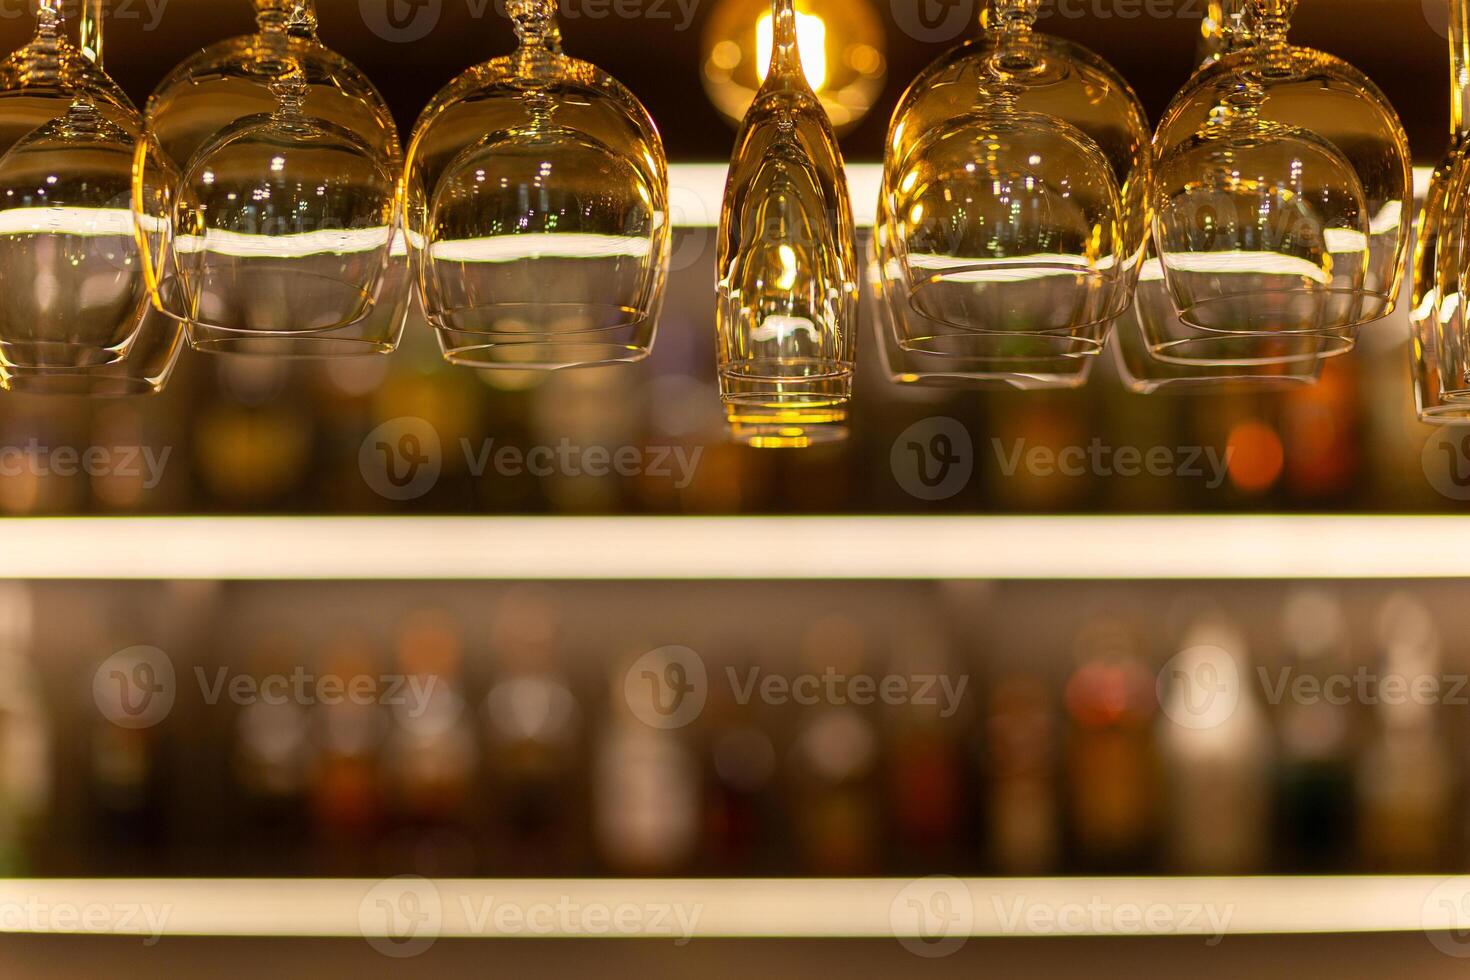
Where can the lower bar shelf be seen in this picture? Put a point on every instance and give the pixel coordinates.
(926, 909)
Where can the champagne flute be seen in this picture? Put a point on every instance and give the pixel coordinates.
(282, 229)
(787, 266)
(537, 201)
(73, 268)
(1015, 178)
(1281, 194)
(1437, 354)
(155, 351)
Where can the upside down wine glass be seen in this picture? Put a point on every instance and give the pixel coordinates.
(1155, 350)
(537, 198)
(1015, 181)
(155, 349)
(1440, 346)
(1281, 196)
(282, 221)
(73, 270)
(787, 265)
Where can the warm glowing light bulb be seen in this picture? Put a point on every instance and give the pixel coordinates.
(842, 46)
(811, 39)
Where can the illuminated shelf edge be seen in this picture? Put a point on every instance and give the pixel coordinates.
(696, 191)
(733, 908)
(738, 548)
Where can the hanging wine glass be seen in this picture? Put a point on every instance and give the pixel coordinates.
(537, 199)
(1027, 365)
(1281, 194)
(155, 350)
(1252, 364)
(1155, 326)
(787, 266)
(1015, 178)
(282, 224)
(74, 275)
(1436, 314)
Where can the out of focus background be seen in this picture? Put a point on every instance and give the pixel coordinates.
(1270, 679)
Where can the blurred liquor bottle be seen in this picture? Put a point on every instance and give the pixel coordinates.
(535, 780)
(646, 803)
(346, 791)
(271, 762)
(837, 804)
(741, 800)
(1315, 732)
(1216, 747)
(1023, 823)
(1112, 769)
(430, 754)
(1406, 777)
(926, 788)
(25, 737)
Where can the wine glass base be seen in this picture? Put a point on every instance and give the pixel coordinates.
(292, 347)
(1247, 350)
(786, 427)
(78, 385)
(59, 356)
(1318, 312)
(1005, 345)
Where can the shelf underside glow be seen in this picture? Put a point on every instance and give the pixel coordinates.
(732, 908)
(738, 548)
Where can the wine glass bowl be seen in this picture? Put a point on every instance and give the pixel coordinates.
(72, 266)
(1282, 190)
(1028, 156)
(537, 196)
(1009, 222)
(284, 205)
(1261, 231)
(282, 225)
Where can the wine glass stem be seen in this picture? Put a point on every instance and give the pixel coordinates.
(1226, 30)
(91, 30)
(295, 17)
(1459, 67)
(785, 43)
